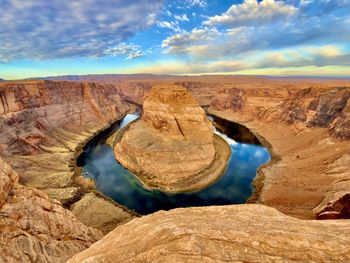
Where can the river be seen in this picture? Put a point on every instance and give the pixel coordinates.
(234, 187)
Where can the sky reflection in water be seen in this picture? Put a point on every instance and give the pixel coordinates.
(234, 187)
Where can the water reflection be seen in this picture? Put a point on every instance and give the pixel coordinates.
(234, 187)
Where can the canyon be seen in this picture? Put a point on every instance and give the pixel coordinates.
(49, 211)
(172, 147)
(43, 127)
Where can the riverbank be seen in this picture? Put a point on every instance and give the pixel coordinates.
(300, 174)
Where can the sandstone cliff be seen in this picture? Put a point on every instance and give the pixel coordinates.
(240, 233)
(309, 176)
(172, 147)
(44, 124)
(310, 173)
(304, 123)
(35, 228)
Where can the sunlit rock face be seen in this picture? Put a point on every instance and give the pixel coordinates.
(172, 142)
(239, 233)
(44, 124)
(35, 228)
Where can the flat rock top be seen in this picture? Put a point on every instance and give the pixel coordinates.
(240, 233)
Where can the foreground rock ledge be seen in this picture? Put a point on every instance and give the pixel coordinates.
(172, 147)
(35, 228)
(240, 233)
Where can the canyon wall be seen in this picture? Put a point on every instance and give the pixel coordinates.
(43, 125)
(306, 124)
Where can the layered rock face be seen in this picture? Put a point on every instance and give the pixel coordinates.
(241, 233)
(44, 124)
(306, 124)
(326, 108)
(307, 130)
(35, 228)
(172, 147)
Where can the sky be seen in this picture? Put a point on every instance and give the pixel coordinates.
(247, 37)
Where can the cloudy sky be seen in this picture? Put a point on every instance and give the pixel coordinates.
(268, 37)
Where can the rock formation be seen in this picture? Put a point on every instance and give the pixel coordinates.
(304, 122)
(35, 228)
(172, 147)
(44, 124)
(309, 173)
(241, 233)
(232, 99)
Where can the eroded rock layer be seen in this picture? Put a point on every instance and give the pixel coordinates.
(304, 122)
(172, 147)
(44, 124)
(35, 228)
(241, 233)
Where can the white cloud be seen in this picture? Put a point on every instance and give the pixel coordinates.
(250, 11)
(200, 3)
(301, 56)
(170, 25)
(41, 29)
(191, 42)
(182, 18)
(305, 28)
(328, 51)
(130, 50)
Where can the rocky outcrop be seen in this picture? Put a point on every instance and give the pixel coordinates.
(297, 117)
(232, 99)
(35, 228)
(340, 128)
(135, 91)
(8, 180)
(320, 108)
(172, 147)
(43, 126)
(336, 203)
(241, 233)
(330, 105)
(98, 212)
(308, 176)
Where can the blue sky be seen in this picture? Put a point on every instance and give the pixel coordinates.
(268, 37)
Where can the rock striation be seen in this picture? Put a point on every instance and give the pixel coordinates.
(308, 176)
(240, 233)
(35, 228)
(304, 122)
(172, 147)
(43, 126)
